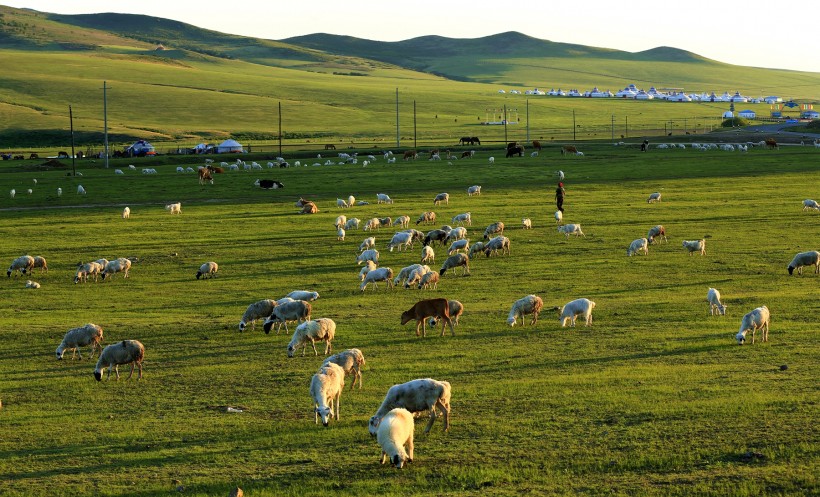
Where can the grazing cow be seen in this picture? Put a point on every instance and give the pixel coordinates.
(330, 146)
(514, 148)
(205, 175)
(569, 149)
(410, 155)
(771, 143)
(423, 309)
(466, 154)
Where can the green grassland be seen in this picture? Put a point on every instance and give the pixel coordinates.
(655, 398)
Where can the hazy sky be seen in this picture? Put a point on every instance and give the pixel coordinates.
(745, 33)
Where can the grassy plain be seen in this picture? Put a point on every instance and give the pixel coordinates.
(654, 399)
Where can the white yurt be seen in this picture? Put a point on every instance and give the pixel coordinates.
(229, 146)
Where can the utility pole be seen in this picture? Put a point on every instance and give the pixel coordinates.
(415, 136)
(398, 139)
(528, 120)
(573, 125)
(505, 123)
(612, 126)
(105, 121)
(280, 129)
(73, 155)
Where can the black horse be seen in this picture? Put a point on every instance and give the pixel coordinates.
(469, 140)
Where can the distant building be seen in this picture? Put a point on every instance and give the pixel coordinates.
(810, 114)
(728, 115)
(747, 114)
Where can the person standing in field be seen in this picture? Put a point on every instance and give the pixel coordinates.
(559, 197)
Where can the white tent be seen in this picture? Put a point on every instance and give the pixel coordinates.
(229, 146)
(140, 148)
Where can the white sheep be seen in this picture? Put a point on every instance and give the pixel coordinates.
(417, 396)
(695, 246)
(340, 234)
(811, 258)
(658, 232)
(459, 233)
(80, 190)
(372, 223)
(351, 200)
(383, 198)
(258, 310)
(90, 334)
(526, 223)
(428, 280)
(416, 274)
(209, 269)
(351, 361)
(491, 160)
(427, 254)
(29, 191)
(40, 262)
(441, 197)
(475, 249)
(292, 310)
(326, 388)
(368, 255)
(810, 204)
(403, 221)
(405, 273)
(498, 244)
(458, 245)
(758, 319)
(86, 270)
(638, 245)
(368, 266)
(316, 330)
(426, 217)
(32, 284)
(715, 305)
(559, 216)
(22, 264)
(126, 352)
(12, 193)
(394, 433)
(531, 304)
(571, 229)
(340, 202)
(654, 197)
(175, 208)
(368, 243)
(456, 310)
(303, 295)
(474, 190)
(463, 219)
(341, 221)
(454, 261)
(126, 213)
(399, 240)
(578, 307)
(120, 265)
(352, 224)
(497, 227)
(59, 192)
(378, 274)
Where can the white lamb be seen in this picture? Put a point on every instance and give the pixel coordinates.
(456, 234)
(293, 310)
(90, 334)
(427, 254)
(378, 274)
(654, 197)
(351, 361)
(531, 304)
(256, 311)
(120, 265)
(463, 219)
(405, 272)
(638, 245)
(340, 234)
(526, 223)
(326, 390)
(32, 284)
(578, 307)
(417, 396)
(352, 224)
(559, 216)
(416, 274)
(811, 258)
(80, 190)
(126, 352)
(715, 305)
(126, 213)
(474, 190)
(810, 204)
(86, 270)
(368, 255)
(403, 221)
(368, 266)
(368, 243)
(341, 221)
(175, 208)
(441, 197)
(695, 246)
(394, 433)
(758, 319)
(457, 246)
(209, 269)
(22, 264)
(400, 239)
(571, 229)
(383, 198)
(303, 295)
(340, 202)
(316, 330)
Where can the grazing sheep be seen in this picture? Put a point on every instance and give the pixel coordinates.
(378, 274)
(59, 192)
(416, 274)
(340, 234)
(475, 249)
(715, 305)
(258, 310)
(32, 284)
(638, 245)
(351, 361)
(421, 395)
(296, 310)
(441, 197)
(491, 160)
(368, 255)
(326, 390)
(368, 243)
(462, 219)
(758, 319)
(120, 265)
(309, 208)
(208, 269)
(352, 224)
(372, 223)
(575, 308)
(316, 330)
(436, 235)
(394, 433)
(560, 175)
(810, 204)
(497, 227)
(427, 254)
(126, 352)
(474, 190)
(340, 202)
(368, 266)
(341, 221)
(175, 208)
(126, 213)
(40, 262)
(12, 193)
(90, 334)
(405, 273)
(456, 310)
(22, 264)
(86, 270)
(454, 261)
(426, 217)
(383, 198)
(559, 216)
(695, 246)
(531, 304)
(303, 295)
(80, 190)
(458, 245)
(654, 197)
(403, 221)
(570, 229)
(453, 234)
(526, 223)
(400, 239)
(656, 232)
(429, 279)
(497, 244)
(811, 258)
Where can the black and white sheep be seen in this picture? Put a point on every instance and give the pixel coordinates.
(575, 308)
(256, 311)
(436, 235)
(316, 330)
(209, 269)
(658, 232)
(811, 258)
(395, 431)
(22, 264)
(126, 352)
(531, 304)
(90, 334)
(757, 319)
(296, 310)
(326, 391)
(351, 361)
(421, 395)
